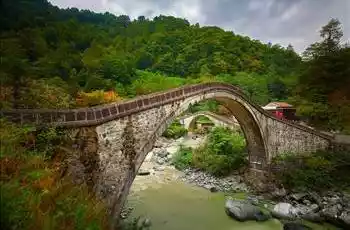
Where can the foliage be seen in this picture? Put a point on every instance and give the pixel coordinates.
(13, 138)
(203, 120)
(96, 98)
(254, 85)
(41, 203)
(89, 51)
(148, 82)
(175, 130)
(322, 92)
(34, 192)
(317, 171)
(207, 105)
(183, 158)
(43, 93)
(223, 152)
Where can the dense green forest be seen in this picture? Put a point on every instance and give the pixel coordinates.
(52, 56)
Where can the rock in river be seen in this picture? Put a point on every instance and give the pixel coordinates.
(284, 211)
(243, 210)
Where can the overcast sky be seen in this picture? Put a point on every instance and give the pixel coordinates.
(277, 21)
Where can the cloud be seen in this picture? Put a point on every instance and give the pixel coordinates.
(278, 21)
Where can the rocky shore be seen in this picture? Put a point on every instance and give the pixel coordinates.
(333, 207)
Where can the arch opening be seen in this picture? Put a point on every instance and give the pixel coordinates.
(257, 151)
(236, 106)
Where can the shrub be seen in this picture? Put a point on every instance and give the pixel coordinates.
(223, 152)
(175, 130)
(316, 171)
(33, 193)
(207, 105)
(183, 158)
(36, 199)
(96, 97)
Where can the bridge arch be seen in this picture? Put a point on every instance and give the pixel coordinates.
(258, 156)
(189, 121)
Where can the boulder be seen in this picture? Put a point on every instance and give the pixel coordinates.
(295, 226)
(213, 189)
(314, 207)
(314, 197)
(243, 210)
(160, 161)
(253, 200)
(162, 153)
(146, 223)
(279, 192)
(331, 213)
(158, 168)
(284, 211)
(298, 196)
(172, 150)
(345, 219)
(313, 217)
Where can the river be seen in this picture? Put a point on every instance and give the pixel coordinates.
(172, 204)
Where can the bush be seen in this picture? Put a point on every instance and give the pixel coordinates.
(207, 105)
(34, 193)
(36, 199)
(175, 130)
(96, 97)
(183, 158)
(316, 171)
(223, 152)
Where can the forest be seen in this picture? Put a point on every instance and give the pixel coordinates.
(64, 58)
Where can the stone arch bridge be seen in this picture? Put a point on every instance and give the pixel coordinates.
(218, 120)
(113, 140)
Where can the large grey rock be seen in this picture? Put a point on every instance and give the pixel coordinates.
(284, 211)
(243, 210)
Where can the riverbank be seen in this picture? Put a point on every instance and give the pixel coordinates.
(159, 177)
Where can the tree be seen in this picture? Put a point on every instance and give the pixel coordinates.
(322, 90)
(331, 33)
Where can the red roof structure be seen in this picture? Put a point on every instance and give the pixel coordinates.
(281, 110)
(277, 105)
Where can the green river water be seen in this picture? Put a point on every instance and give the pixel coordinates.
(180, 206)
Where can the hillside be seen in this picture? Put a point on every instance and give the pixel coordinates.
(82, 50)
(59, 58)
